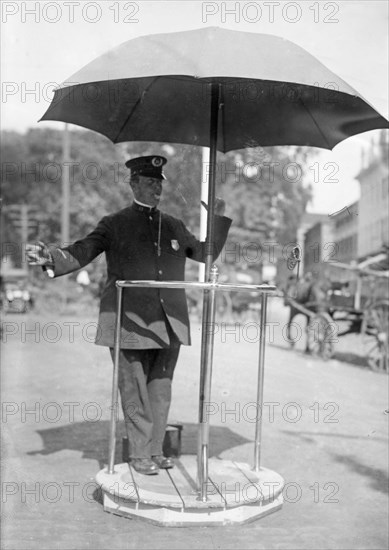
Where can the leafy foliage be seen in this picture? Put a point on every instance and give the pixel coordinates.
(264, 202)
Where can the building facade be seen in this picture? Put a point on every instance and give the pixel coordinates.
(345, 233)
(373, 216)
(360, 230)
(319, 246)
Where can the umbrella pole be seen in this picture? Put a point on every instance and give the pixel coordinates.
(261, 372)
(115, 382)
(208, 308)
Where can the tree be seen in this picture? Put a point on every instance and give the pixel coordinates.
(266, 189)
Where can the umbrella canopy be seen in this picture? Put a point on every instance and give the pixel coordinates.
(157, 88)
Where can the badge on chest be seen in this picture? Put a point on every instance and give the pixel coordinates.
(175, 244)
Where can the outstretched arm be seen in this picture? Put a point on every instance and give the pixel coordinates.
(59, 261)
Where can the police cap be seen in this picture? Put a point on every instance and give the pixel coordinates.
(150, 166)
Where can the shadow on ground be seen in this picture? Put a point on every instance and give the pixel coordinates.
(343, 356)
(91, 438)
(377, 478)
(352, 358)
(310, 437)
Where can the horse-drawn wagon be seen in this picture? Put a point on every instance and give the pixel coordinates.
(347, 299)
(15, 294)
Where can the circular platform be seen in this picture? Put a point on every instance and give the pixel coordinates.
(235, 493)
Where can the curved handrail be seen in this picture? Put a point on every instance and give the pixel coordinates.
(195, 284)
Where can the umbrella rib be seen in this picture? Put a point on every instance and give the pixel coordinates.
(133, 109)
(316, 124)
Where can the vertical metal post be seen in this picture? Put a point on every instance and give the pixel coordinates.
(115, 379)
(208, 303)
(203, 212)
(203, 449)
(215, 99)
(261, 371)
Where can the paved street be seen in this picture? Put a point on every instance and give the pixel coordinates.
(324, 431)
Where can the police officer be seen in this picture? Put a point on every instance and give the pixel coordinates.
(141, 242)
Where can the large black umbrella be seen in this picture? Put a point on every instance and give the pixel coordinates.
(213, 87)
(158, 88)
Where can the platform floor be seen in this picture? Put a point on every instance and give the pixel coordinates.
(235, 493)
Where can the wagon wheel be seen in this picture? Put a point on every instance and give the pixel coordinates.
(321, 335)
(375, 331)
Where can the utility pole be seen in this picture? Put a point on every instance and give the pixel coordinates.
(65, 233)
(24, 232)
(65, 187)
(20, 216)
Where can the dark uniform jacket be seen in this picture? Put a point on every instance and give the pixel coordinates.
(141, 244)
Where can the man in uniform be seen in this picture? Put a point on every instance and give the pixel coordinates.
(141, 242)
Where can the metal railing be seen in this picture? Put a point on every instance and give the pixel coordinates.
(210, 288)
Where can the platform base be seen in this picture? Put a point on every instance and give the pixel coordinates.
(235, 493)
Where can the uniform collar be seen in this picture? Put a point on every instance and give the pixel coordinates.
(139, 207)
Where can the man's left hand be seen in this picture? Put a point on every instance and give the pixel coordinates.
(220, 206)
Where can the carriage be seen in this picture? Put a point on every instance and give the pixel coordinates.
(15, 294)
(348, 299)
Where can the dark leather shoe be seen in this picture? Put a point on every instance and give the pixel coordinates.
(144, 466)
(163, 461)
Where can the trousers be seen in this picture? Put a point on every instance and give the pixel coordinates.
(145, 386)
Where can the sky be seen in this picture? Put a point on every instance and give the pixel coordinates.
(44, 43)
